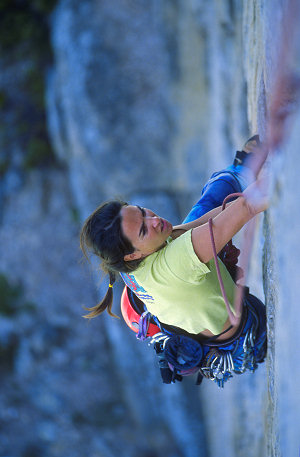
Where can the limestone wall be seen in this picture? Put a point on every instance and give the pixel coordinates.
(145, 99)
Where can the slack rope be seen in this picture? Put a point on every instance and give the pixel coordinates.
(233, 317)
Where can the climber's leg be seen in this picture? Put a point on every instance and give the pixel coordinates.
(230, 180)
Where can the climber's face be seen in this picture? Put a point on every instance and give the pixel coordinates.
(145, 230)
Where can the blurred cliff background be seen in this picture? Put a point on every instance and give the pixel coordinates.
(142, 99)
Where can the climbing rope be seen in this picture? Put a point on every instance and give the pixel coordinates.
(233, 317)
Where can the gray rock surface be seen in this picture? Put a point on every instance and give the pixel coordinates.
(145, 100)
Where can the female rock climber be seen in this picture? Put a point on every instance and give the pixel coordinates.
(171, 268)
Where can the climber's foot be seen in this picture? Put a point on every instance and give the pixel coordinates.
(249, 148)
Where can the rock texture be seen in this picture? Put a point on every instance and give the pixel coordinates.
(145, 99)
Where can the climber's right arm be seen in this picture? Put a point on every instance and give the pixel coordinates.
(228, 222)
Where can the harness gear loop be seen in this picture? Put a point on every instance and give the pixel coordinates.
(144, 323)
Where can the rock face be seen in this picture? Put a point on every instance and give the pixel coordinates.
(145, 100)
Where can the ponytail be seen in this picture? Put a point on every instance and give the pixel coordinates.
(106, 303)
(102, 235)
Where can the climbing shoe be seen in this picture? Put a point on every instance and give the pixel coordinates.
(241, 157)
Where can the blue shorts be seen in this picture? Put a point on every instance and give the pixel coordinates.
(227, 181)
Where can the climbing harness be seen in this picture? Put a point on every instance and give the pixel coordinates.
(222, 362)
(182, 354)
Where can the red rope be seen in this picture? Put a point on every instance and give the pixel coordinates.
(229, 197)
(234, 318)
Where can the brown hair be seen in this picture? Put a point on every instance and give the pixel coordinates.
(102, 235)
